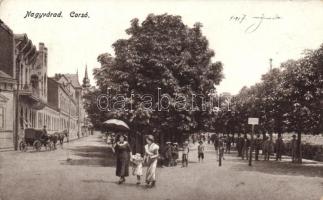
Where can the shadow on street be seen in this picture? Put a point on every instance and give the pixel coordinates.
(91, 156)
(280, 168)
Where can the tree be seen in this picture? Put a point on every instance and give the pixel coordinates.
(162, 54)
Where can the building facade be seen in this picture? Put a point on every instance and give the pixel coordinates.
(31, 99)
(7, 87)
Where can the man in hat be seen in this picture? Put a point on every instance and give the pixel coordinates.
(279, 146)
(168, 153)
(239, 145)
(293, 143)
(44, 135)
(186, 150)
(258, 146)
(216, 144)
(245, 148)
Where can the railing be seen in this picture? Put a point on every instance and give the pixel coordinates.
(28, 89)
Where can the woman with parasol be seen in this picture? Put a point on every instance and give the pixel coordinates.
(123, 154)
(121, 148)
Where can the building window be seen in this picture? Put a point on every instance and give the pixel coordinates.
(2, 117)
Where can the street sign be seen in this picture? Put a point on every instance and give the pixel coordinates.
(253, 121)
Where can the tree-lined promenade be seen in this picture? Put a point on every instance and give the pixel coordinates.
(163, 54)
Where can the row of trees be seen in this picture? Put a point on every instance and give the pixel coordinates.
(288, 99)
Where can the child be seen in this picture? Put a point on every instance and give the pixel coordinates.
(201, 149)
(137, 161)
(174, 154)
(186, 150)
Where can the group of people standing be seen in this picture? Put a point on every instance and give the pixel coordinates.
(124, 158)
(267, 147)
(264, 145)
(171, 154)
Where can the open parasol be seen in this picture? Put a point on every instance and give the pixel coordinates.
(116, 124)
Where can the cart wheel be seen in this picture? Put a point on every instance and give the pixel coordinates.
(37, 145)
(22, 146)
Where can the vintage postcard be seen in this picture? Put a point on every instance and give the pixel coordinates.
(161, 99)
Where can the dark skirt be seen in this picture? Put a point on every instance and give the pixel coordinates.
(122, 167)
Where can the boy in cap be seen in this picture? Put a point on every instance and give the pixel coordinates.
(186, 150)
(201, 149)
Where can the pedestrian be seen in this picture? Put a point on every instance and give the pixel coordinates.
(123, 153)
(137, 161)
(245, 148)
(267, 148)
(239, 145)
(44, 136)
(168, 154)
(222, 147)
(216, 145)
(151, 158)
(174, 154)
(186, 150)
(258, 146)
(200, 150)
(279, 147)
(228, 144)
(208, 138)
(294, 148)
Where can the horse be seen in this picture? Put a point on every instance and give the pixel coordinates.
(58, 136)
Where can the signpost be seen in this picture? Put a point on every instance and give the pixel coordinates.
(252, 122)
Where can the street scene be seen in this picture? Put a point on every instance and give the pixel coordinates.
(90, 172)
(161, 100)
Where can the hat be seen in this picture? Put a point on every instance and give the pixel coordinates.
(150, 137)
(175, 143)
(294, 136)
(168, 142)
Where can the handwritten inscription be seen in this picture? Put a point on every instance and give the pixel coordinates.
(252, 23)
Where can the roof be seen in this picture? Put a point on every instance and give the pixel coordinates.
(74, 79)
(4, 75)
(6, 78)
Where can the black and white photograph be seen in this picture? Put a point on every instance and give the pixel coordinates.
(161, 99)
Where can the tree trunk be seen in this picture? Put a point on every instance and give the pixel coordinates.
(299, 147)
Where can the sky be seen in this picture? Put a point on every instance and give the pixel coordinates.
(233, 28)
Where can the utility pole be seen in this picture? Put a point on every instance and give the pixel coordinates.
(251, 144)
(253, 122)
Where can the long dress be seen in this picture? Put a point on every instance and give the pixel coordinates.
(151, 153)
(123, 158)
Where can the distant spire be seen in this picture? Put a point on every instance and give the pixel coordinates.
(86, 81)
(270, 64)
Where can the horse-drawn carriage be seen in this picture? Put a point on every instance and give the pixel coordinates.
(36, 138)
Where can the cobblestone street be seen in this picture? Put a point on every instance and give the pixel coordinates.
(90, 174)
